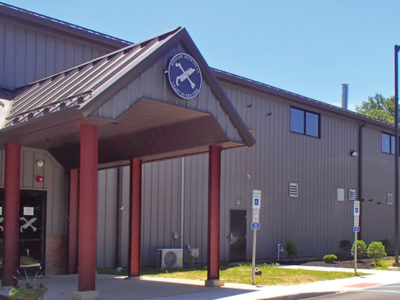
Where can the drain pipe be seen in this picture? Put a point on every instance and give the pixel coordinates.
(182, 196)
(360, 191)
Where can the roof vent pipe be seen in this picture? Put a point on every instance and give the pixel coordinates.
(345, 92)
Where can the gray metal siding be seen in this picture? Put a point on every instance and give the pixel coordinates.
(315, 220)
(107, 210)
(53, 183)
(377, 219)
(30, 54)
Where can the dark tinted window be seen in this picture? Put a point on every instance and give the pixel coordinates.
(297, 120)
(304, 122)
(388, 142)
(312, 124)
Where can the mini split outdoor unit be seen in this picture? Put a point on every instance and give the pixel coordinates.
(169, 258)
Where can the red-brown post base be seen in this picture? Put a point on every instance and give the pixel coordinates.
(214, 184)
(11, 214)
(135, 218)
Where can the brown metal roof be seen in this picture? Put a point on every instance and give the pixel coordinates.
(269, 89)
(78, 86)
(52, 24)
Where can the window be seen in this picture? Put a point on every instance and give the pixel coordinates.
(388, 143)
(304, 122)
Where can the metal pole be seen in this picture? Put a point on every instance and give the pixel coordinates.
(396, 160)
(253, 261)
(355, 253)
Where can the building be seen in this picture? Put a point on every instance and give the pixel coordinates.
(310, 159)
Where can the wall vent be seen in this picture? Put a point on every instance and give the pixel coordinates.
(352, 194)
(293, 190)
(389, 199)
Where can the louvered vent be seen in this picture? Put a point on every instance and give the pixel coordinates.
(352, 194)
(389, 199)
(293, 190)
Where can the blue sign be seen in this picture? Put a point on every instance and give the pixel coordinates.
(356, 228)
(256, 202)
(255, 225)
(184, 76)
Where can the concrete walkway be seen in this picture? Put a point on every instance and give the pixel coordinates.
(111, 287)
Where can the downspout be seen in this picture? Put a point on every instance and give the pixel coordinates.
(182, 197)
(360, 192)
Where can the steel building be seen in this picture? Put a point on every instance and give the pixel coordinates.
(159, 152)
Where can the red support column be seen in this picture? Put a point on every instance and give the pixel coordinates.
(214, 184)
(88, 208)
(11, 214)
(73, 222)
(135, 218)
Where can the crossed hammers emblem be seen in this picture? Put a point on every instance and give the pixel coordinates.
(185, 75)
(28, 223)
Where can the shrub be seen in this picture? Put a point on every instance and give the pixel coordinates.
(376, 251)
(387, 244)
(291, 248)
(330, 258)
(345, 247)
(361, 249)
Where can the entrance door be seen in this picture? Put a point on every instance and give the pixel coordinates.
(31, 228)
(238, 235)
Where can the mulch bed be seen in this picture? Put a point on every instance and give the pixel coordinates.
(365, 263)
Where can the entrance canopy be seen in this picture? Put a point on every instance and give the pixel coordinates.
(127, 95)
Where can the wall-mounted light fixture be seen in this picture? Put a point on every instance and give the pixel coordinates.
(354, 153)
(40, 163)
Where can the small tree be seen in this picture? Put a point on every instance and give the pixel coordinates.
(376, 251)
(291, 248)
(345, 247)
(361, 249)
(387, 244)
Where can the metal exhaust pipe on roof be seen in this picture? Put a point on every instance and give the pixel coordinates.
(345, 93)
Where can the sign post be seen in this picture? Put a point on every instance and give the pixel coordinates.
(356, 228)
(255, 225)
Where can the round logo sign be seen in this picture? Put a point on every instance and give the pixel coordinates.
(184, 76)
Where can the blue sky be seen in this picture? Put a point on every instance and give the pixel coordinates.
(307, 47)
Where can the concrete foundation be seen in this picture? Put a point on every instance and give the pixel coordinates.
(86, 295)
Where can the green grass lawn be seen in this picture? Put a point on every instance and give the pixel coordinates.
(271, 275)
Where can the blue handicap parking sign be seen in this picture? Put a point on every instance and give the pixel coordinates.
(255, 225)
(356, 228)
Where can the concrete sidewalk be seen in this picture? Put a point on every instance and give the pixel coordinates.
(61, 287)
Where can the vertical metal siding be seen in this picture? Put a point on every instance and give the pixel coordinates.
(29, 54)
(377, 219)
(107, 218)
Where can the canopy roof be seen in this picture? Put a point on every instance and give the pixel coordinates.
(151, 123)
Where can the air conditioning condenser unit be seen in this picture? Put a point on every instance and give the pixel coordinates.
(169, 258)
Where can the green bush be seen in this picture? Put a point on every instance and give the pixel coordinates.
(387, 244)
(376, 251)
(345, 247)
(330, 258)
(361, 249)
(291, 248)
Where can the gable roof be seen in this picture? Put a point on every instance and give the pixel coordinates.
(87, 86)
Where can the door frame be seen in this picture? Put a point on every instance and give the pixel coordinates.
(44, 227)
(230, 231)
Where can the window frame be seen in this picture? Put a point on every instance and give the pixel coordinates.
(391, 140)
(305, 111)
